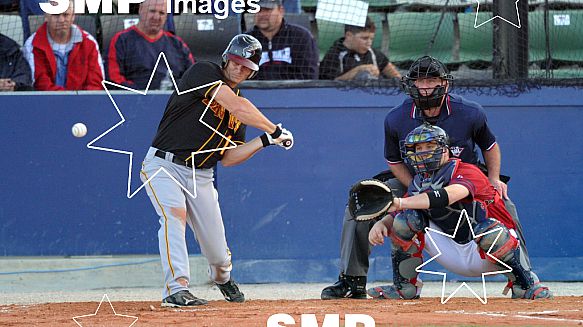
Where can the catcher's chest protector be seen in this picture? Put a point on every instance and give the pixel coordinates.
(447, 218)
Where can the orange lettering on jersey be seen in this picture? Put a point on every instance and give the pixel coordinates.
(216, 107)
(234, 123)
(219, 112)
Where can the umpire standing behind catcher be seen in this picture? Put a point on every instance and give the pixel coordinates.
(427, 83)
(180, 133)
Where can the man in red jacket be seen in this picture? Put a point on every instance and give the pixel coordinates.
(62, 56)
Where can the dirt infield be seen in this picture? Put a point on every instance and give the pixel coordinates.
(561, 311)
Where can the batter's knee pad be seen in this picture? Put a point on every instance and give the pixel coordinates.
(502, 247)
(406, 225)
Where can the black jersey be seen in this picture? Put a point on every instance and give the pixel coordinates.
(180, 130)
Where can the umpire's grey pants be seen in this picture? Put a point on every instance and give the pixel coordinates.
(355, 248)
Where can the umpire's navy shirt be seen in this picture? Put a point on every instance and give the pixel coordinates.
(464, 121)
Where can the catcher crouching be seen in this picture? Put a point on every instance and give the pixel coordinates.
(441, 189)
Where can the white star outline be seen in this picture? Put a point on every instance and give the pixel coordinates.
(444, 275)
(497, 16)
(131, 154)
(99, 306)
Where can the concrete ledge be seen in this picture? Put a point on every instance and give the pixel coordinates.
(89, 273)
(55, 274)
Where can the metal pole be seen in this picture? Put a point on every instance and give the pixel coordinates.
(510, 42)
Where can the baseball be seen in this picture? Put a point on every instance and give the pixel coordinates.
(79, 130)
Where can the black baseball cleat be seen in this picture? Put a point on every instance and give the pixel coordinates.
(231, 292)
(351, 287)
(182, 299)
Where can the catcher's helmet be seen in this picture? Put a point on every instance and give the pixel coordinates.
(424, 161)
(426, 67)
(245, 50)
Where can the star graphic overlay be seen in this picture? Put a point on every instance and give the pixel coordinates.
(476, 25)
(103, 316)
(229, 145)
(463, 215)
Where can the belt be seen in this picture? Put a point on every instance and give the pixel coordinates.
(176, 160)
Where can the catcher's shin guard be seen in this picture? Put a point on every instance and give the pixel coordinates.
(406, 256)
(523, 282)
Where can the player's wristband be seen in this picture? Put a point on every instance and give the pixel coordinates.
(265, 140)
(277, 132)
(438, 198)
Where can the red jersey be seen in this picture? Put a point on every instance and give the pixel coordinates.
(481, 190)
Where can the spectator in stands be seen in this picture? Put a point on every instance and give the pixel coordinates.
(14, 70)
(62, 56)
(133, 52)
(289, 51)
(351, 57)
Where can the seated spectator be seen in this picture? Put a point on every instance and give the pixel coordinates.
(289, 51)
(14, 70)
(351, 57)
(62, 56)
(133, 52)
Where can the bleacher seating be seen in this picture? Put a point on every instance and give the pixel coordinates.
(11, 26)
(475, 43)
(410, 35)
(205, 35)
(309, 5)
(565, 35)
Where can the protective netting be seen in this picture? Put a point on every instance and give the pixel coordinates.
(506, 49)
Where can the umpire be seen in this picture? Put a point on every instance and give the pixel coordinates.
(199, 129)
(427, 83)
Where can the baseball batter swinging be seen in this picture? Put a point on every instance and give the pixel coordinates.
(180, 133)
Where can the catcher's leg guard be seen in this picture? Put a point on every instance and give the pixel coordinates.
(406, 256)
(522, 280)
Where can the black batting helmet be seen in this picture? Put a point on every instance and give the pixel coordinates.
(245, 50)
(426, 67)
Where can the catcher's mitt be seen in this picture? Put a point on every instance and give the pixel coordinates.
(369, 199)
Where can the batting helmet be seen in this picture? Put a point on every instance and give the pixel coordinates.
(424, 161)
(426, 67)
(245, 50)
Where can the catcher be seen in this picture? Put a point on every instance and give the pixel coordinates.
(441, 189)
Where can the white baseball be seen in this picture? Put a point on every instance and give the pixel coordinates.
(79, 130)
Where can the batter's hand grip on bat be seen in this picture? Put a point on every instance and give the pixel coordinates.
(287, 141)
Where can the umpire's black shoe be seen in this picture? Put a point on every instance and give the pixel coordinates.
(352, 287)
(182, 299)
(231, 292)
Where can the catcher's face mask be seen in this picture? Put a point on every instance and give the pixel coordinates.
(425, 157)
(415, 82)
(424, 148)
